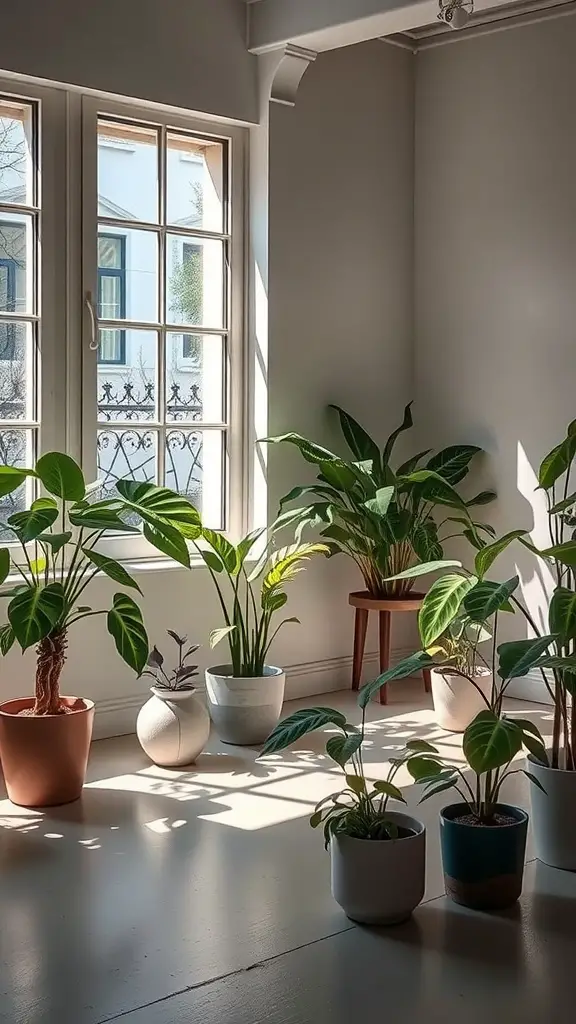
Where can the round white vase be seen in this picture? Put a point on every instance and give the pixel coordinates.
(554, 815)
(456, 700)
(173, 727)
(244, 709)
(380, 881)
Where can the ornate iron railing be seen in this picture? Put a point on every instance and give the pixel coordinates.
(128, 401)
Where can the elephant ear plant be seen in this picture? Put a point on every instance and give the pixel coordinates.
(384, 517)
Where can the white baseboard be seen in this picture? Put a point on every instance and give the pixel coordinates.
(117, 717)
(530, 687)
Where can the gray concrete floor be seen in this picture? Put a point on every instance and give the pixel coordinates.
(202, 895)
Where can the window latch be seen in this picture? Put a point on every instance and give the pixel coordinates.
(93, 343)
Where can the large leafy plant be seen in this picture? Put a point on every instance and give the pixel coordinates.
(249, 599)
(384, 517)
(58, 537)
(493, 739)
(359, 810)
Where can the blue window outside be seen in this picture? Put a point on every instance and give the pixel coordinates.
(112, 297)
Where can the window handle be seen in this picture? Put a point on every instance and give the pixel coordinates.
(93, 344)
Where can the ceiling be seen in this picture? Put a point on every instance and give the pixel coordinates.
(503, 16)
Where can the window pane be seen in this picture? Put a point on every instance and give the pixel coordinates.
(194, 467)
(17, 359)
(127, 171)
(111, 251)
(194, 281)
(16, 449)
(16, 264)
(195, 183)
(16, 161)
(195, 378)
(125, 454)
(128, 276)
(128, 391)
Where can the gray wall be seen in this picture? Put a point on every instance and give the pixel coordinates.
(496, 254)
(186, 53)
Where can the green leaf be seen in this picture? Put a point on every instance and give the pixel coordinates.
(518, 656)
(379, 504)
(245, 546)
(426, 543)
(55, 541)
(223, 548)
(111, 568)
(37, 566)
(28, 525)
(7, 638)
(338, 475)
(440, 788)
(10, 479)
(4, 564)
(273, 601)
(318, 490)
(316, 819)
(434, 488)
(561, 506)
(99, 516)
(425, 567)
(356, 783)
(407, 422)
(532, 739)
(562, 614)
(342, 748)
(491, 742)
(483, 498)
(564, 553)
(299, 724)
(532, 777)
(452, 463)
(441, 605)
(216, 635)
(61, 476)
(359, 442)
(212, 560)
(557, 462)
(421, 746)
(408, 667)
(125, 625)
(389, 789)
(489, 554)
(313, 453)
(421, 768)
(152, 503)
(408, 467)
(286, 563)
(35, 611)
(488, 597)
(169, 540)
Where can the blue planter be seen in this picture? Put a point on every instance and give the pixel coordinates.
(483, 865)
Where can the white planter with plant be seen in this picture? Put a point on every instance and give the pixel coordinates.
(245, 696)
(173, 726)
(378, 855)
(462, 685)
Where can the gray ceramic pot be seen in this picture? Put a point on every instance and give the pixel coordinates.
(244, 710)
(380, 881)
(554, 815)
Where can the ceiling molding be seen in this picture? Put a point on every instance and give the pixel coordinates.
(497, 19)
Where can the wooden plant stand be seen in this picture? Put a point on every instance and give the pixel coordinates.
(386, 608)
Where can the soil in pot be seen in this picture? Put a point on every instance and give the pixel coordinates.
(554, 815)
(380, 881)
(483, 861)
(44, 757)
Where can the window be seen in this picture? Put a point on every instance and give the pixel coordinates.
(112, 296)
(187, 284)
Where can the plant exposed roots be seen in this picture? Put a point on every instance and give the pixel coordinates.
(51, 655)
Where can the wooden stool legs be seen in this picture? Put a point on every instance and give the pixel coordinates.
(385, 622)
(360, 627)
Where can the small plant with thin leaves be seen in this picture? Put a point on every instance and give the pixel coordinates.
(179, 678)
(384, 517)
(249, 600)
(360, 810)
(59, 536)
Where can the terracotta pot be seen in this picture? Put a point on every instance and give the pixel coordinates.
(44, 758)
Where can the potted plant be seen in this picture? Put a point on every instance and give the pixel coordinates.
(45, 740)
(173, 726)
(483, 839)
(553, 812)
(245, 695)
(377, 853)
(384, 518)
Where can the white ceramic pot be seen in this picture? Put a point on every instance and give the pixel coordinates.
(380, 881)
(244, 710)
(456, 700)
(173, 727)
(554, 815)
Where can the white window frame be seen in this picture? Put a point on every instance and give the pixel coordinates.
(236, 499)
(50, 315)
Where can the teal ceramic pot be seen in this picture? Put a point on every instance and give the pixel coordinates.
(483, 865)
